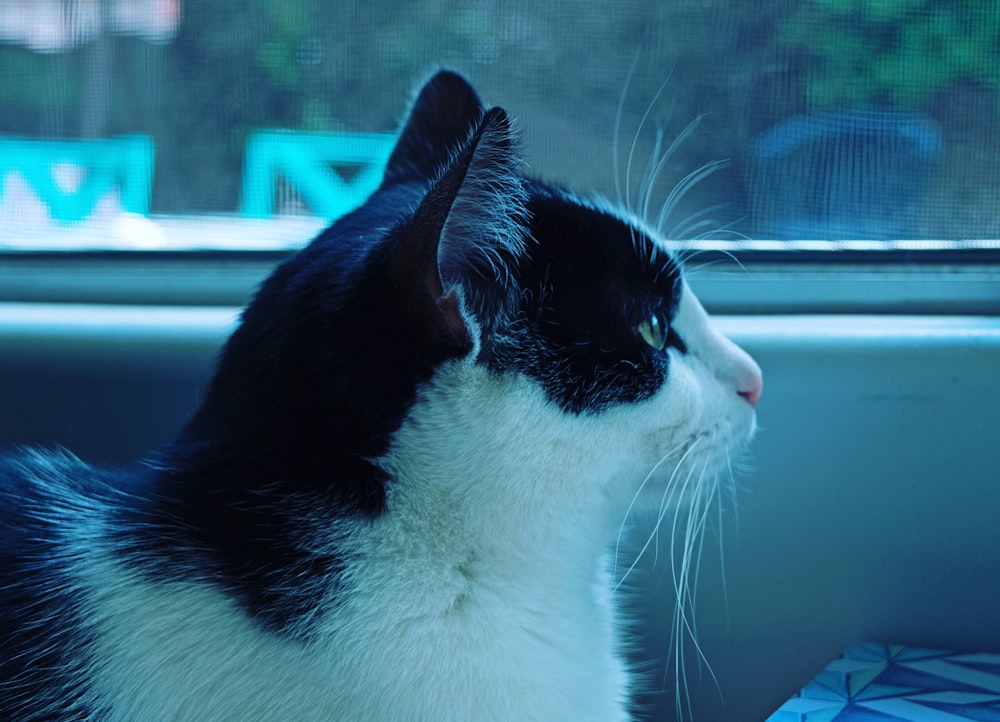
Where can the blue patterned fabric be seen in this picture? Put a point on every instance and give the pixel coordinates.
(893, 683)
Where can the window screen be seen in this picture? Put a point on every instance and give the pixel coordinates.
(168, 124)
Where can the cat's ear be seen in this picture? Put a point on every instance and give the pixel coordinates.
(468, 234)
(445, 111)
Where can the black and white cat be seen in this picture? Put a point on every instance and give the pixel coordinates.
(396, 499)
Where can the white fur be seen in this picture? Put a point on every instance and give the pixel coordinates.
(481, 594)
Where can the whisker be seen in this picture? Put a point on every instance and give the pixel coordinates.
(635, 142)
(631, 506)
(722, 556)
(686, 576)
(717, 255)
(653, 535)
(661, 163)
(683, 187)
(617, 132)
(690, 227)
(682, 494)
(653, 170)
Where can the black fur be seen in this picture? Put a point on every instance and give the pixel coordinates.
(322, 370)
(590, 281)
(44, 640)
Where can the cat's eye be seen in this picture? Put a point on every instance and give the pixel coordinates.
(653, 331)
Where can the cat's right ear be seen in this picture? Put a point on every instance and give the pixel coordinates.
(439, 122)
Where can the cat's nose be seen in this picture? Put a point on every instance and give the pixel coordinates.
(752, 395)
(749, 381)
(737, 369)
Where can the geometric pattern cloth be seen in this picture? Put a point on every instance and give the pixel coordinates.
(894, 683)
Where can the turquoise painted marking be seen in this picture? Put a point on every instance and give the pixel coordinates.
(305, 161)
(125, 162)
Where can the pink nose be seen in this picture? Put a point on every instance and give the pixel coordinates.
(752, 395)
(750, 381)
(735, 368)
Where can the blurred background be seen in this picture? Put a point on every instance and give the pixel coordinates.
(824, 111)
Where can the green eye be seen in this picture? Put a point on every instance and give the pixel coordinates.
(653, 332)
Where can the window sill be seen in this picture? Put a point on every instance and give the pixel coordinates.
(220, 260)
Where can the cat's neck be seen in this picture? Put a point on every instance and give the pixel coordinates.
(518, 495)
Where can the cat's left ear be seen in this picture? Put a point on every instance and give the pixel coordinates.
(467, 235)
(442, 115)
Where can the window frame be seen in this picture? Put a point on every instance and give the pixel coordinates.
(946, 282)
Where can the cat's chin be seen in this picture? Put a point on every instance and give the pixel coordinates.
(693, 430)
(702, 465)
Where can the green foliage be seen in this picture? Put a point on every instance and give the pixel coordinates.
(283, 55)
(896, 52)
(38, 92)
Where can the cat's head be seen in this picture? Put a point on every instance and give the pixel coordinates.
(469, 324)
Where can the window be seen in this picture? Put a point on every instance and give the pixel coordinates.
(816, 131)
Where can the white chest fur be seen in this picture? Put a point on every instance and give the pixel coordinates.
(412, 650)
(479, 594)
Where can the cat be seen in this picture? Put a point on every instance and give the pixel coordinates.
(397, 496)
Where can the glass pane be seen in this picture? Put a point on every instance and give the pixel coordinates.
(224, 124)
